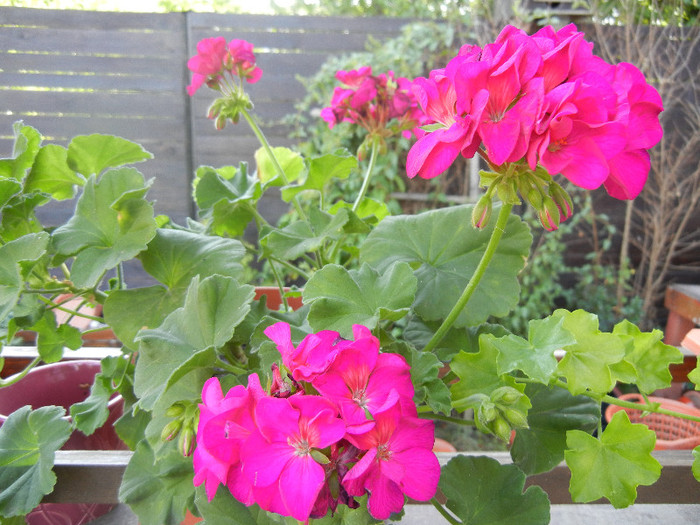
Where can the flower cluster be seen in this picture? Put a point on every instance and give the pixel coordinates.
(542, 101)
(372, 101)
(217, 64)
(340, 423)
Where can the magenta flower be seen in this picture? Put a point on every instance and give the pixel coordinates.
(361, 380)
(225, 423)
(278, 459)
(215, 58)
(313, 355)
(208, 62)
(243, 60)
(399, 461)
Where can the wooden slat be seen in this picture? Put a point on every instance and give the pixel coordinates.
(93, 81)
(95, 103)
(79, 19)
(95, 476)
(88, 42)
(54, 63)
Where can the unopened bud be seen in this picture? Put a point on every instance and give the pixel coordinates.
(220, 122)
(186, 441)
(562, 200)
(487, 413)
(506, 395)
(171, 430)
(549, 215)
(516, 418)
(501, 429)
(175, 410)
(481, 214)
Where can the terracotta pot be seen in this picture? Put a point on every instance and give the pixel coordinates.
(274, 299)
(64, 384)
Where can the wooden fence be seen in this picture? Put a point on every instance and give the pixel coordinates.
(70, 73)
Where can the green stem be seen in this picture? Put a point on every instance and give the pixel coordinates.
(280, 285)
(278, 168)
(648, 408)
(368, 175)
(69, 311)
(449, 419)
(291, 267)
(14, 378)
(450, 519)
(229, 367)
(475, 278)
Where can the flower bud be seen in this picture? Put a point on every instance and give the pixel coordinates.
(501, 429)
(186, 441)
(549, 215)
(506, 395)
(516, 418)
(171, 430)
(175, 410)
(481, 214)
(562, 200)
(487, 412)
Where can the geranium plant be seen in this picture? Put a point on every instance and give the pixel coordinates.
(243, 414)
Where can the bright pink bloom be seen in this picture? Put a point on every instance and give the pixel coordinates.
(313, 355)
(225, 423)
(361, 380)
(209, 61)
(277, 461)
(243, 60)
(399, 461)
(433, 153)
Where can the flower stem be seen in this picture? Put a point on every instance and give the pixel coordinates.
(449, 419)
(268, 149)
(444, 513)
(474, 280)
(648, 408)
(368, 175)
(16, 377)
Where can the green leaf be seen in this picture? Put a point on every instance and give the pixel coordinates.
(51, 174)
(554, 411)
(613, 466)
(158, 492)
(696, 463)
(425, 376)
(9, 188)
(212, 309)
(28, 442)
(368, 208)
(92, 154)
(174, 257)
(302, 237)
(18, 217)
(228, 200)
(586, 364)
(322, 170)
(340, 298)
(444, 249)
(13, 268)
(112, 224)
(649, 356)
(290, 161)
(26, 146)
(224, 509)
(481, 491)
(534, 357)
(92, 413)
(478, 374)
(52, 339)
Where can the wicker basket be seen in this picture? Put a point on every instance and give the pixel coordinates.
(672, 433)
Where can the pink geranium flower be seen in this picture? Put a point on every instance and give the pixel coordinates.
(399, 462)
(278, 462)
(242, 60)
(225, 423)
(312, 356)
(208, 62)
(361, 381)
